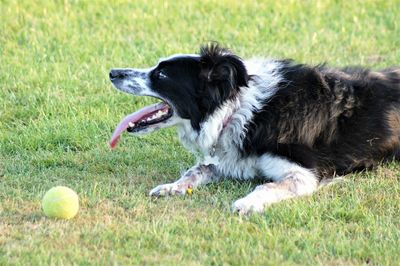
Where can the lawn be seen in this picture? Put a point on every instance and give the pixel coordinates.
(58, 110)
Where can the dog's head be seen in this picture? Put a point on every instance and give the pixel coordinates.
(190, 87)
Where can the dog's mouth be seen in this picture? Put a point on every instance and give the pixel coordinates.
(142, 119)
(151, 118)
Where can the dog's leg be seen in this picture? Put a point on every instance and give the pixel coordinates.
(291, 181)
(194, 177)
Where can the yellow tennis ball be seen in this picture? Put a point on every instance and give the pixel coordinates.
(60, 202)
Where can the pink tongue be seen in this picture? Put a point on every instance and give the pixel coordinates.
(136, 116)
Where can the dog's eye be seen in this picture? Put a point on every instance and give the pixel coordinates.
(161, 75)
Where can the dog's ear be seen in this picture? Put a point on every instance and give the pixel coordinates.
(222, 71)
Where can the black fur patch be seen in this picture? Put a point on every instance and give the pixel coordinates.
(198, 86)
(333, 121)
(222, 75)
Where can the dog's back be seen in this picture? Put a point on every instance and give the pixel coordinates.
(334, 121)
(373, 132)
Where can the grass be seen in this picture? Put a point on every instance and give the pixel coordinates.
(57, 111)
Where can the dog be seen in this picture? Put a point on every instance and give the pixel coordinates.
(292, 125)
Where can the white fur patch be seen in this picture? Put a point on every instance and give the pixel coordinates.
(277, 168)
(211, 129)
(138, 83)
(265, 78)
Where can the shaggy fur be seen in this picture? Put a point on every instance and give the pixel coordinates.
(332, 121)
(289, 123)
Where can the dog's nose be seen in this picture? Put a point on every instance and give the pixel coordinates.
(117, 73)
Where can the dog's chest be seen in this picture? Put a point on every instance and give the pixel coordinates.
(224, 153)
(231, 163)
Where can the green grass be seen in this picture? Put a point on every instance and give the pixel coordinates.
(58, 110)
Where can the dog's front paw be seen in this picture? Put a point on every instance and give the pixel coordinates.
(252, 203)
(168, 190)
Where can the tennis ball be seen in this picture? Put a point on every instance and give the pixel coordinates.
(60, 202)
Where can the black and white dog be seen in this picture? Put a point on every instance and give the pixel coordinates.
(290, 124)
